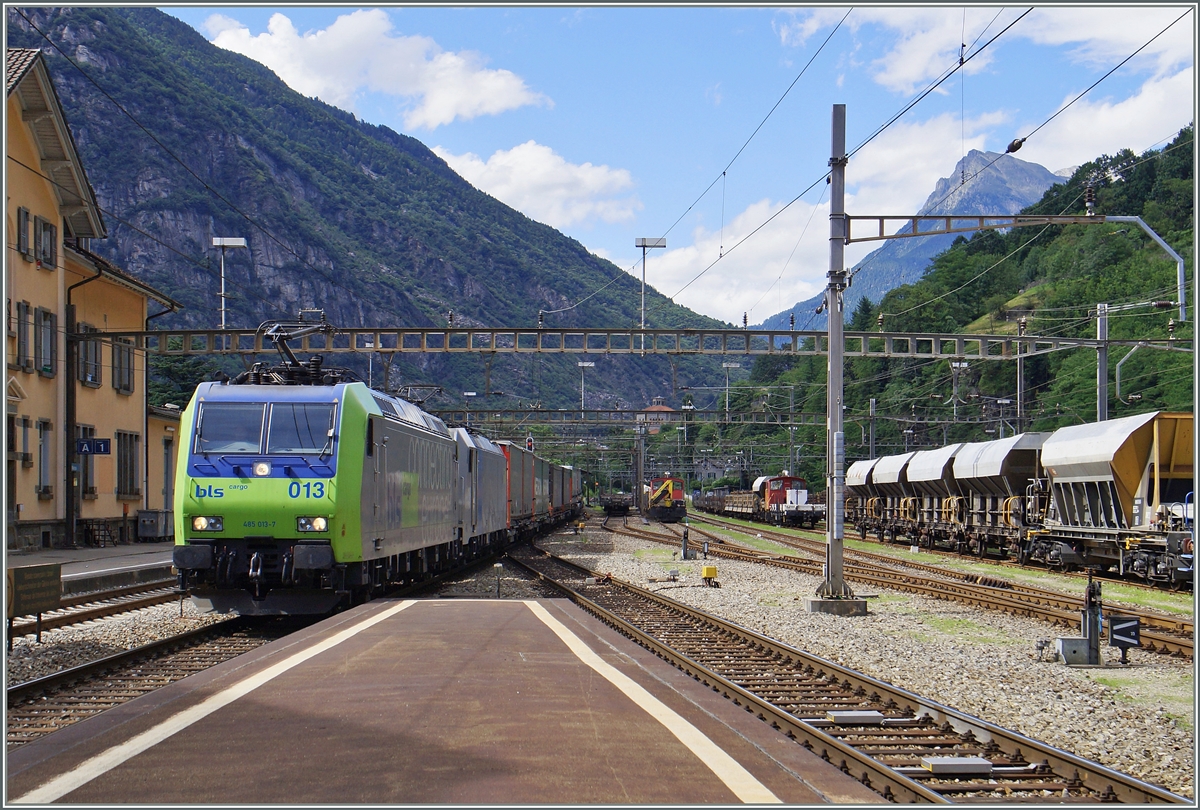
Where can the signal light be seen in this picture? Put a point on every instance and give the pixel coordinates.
(529, 443)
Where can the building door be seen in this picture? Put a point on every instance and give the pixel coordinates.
(168, 473)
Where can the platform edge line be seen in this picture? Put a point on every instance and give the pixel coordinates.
(735, 776)
(105, 761)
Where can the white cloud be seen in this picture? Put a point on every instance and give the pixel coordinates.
(788, 259)
(541, 184)
(928, 39)
(1105, 36)
(359, 53)
(1093, 127)
(783, 263)
(895, 173)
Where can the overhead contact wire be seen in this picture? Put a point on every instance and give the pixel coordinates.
(704, 193)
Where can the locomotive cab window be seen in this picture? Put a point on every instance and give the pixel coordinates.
(229, 427)
(300, 427)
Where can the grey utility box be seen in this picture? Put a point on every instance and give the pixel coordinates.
(156, 524)
(1072, 649)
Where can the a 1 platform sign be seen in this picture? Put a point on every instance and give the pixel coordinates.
(1124, 632)
(93, 447)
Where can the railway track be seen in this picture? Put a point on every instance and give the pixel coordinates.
(98, 605)
(40, 707)
(904, 747)
(1160, 632)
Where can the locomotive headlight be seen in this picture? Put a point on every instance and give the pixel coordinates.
(262, 468)
(208, 523)
(311, 524)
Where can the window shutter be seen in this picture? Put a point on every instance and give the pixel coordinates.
(37, 337)
(23, 232)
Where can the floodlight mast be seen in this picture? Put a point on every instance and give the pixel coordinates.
(224, 242)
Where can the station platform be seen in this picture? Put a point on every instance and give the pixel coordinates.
(434, 701)
(89, 569)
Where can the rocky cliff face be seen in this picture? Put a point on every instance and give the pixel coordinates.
(982, 183)
(184, 142)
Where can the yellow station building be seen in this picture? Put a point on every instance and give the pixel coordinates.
(61, 391)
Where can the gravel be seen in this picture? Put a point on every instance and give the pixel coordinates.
(79, 644)
(1137, 719)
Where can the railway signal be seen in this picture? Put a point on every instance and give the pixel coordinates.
(1124, 632)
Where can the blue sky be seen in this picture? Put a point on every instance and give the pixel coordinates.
(614, 123)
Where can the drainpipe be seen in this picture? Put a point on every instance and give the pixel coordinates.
(70, 372)
(146, 408)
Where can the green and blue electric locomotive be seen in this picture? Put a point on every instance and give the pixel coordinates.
(298, 498)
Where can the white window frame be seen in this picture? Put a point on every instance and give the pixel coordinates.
(122, 365)
(91, 366)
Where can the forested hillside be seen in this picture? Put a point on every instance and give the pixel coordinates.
(1053, 277)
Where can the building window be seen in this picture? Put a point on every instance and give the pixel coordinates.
(128, 445)
(45, 341)
(23, 234)
(90, 372)
(87, 465)
(122, 350)
(18, 440)
(45, 456)
(45, 243)
(24, 357)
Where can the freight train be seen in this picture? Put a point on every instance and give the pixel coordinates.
(1115, 496)
(300, 490)
(666, 500)
(782, 500)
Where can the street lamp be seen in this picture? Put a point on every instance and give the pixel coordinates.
(370, 344)
(582, 365)
(226, 242)
(646, 244)
(728, 366)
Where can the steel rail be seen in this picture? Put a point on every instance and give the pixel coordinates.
(955, 586)
(895, 784)
(23, 691)
(1177, 625)
(891, 785)
(70, 614)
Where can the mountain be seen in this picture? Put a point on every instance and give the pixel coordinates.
(982, 183)
(1049, 278)
(184, 142)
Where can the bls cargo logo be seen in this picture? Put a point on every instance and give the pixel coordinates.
(209, 492)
